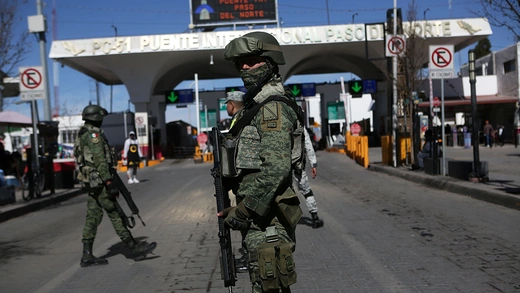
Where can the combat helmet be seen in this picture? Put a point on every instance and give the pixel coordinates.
(257, 44)
(94, 113)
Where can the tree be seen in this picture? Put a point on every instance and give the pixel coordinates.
(13, 46)
(502, 13)
(482, 48)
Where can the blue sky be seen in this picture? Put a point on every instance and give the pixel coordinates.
(97, 18)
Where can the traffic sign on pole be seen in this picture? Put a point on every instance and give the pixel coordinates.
(395, 45)
(32, 79)
(436, 102)
(441, 62)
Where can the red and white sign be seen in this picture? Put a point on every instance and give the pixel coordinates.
(436, 102)
(355, 129)
(31, 79)
(202, 138)
(441, 62)
(395, 45)
(139, 120)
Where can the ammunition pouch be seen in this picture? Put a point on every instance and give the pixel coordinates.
(248, 149)
(94, 179)
(287, 208)
(228, 148)
(276, 265)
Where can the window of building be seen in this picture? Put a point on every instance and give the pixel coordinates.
(509, 66)
(478, 71)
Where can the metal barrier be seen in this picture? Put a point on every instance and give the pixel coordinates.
(404, 146)
(357, 148)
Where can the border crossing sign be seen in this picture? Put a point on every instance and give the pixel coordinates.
(441, 62)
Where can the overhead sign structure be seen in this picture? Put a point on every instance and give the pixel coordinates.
(302, 89)
(370, 86)
(295, 89)
(236, 89)
(355, 88)
(441, 62)
(395, 45)
(179, 97)
(227, 12)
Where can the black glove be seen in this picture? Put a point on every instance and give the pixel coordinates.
(236, 217)
(112, 190)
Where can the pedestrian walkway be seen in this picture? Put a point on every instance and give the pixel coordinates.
(21, 207)
(504, 176)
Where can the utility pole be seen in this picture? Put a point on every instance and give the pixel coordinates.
(111, 85)
(97, 93)
(43, 59)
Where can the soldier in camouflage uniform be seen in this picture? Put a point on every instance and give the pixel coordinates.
(302, 181)
(94, 158)
(264, 164)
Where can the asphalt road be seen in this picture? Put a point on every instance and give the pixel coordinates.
(381, 234)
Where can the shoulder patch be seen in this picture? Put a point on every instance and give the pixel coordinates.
(271, 111)
(271, 117)
(95, 139)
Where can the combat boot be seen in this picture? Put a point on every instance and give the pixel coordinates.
(88, 259)
(140, 250)
(316, 221)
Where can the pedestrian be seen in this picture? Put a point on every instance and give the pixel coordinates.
(488, 132)
(132, 156)
(302, 181)
(234, 104)
(427, 149)
(269, 132)
(94, 158)
(500, 134)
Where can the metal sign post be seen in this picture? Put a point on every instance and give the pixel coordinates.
(441, 66)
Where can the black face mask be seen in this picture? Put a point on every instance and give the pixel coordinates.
(251, 76)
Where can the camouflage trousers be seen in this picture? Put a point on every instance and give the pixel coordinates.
(253, 239)
(302, 181)
(99, 200)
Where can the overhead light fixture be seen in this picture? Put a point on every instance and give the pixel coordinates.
(211, 60)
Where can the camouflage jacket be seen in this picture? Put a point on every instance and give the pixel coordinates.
(93, 155)
(264, 151)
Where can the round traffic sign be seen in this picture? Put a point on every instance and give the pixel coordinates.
(441, 57)
(355, 129)
(31, 78)
(202, 138)
(396, 45)
(436, 102)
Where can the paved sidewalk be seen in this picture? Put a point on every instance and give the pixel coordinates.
(21, 207)
(504, 174)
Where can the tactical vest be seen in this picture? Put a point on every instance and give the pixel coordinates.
(85, 159)
(238, 147)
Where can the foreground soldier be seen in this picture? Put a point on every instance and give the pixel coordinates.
(267, 208)
(94, 159)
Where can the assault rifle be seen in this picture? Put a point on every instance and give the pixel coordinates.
(227, 259)
(120, 186)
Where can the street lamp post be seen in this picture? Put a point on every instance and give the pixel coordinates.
(111, 85)
(424, 13)
(354, 16)
(472, 82)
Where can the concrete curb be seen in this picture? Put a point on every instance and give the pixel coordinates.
(478, 191)
(17, 210)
